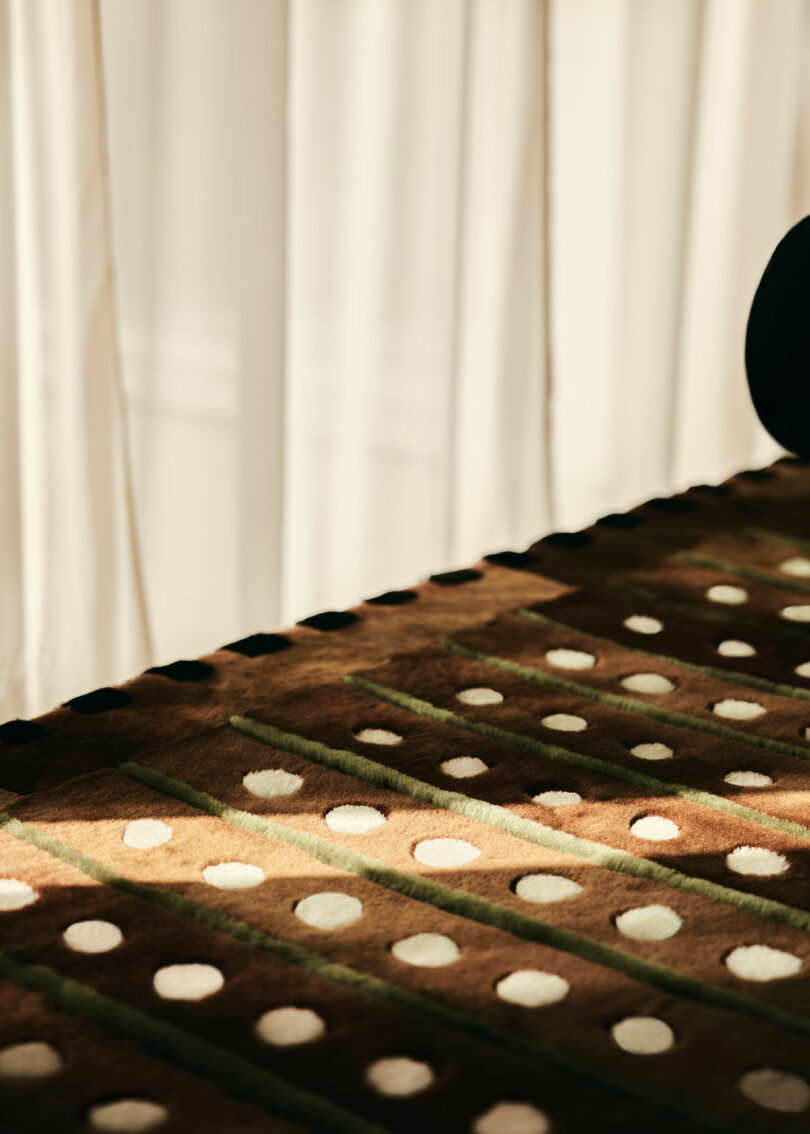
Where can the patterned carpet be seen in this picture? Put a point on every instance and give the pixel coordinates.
(524, 849)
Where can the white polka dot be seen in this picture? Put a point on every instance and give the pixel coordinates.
(643, 1035)
(747, 779)
(761, 962)
(272, 783)
(654, 683)
(462, 767)
(187, 982)
(29, 1061)
(426, 950)
(558, 798)
(649, 923)
(734, 710)
(565, 722)
(15, 894)
(798, 567)
(378, 736)
(288, 1027)
(92, 936)
(480, 695)
(329, 910)
(233, 875)
(643, 624)
(756, 860)
(127, 1116)
(570, 659)
(724, 593)
(733, 648)
(803, 670)
(144, 834)
(656, 828)
(776, 1090)
(545, 888)
(445, 853)
(652, 751)
(531, 988)
(354, 819)
(796, 613)
(399, 1076)
(512, 1118)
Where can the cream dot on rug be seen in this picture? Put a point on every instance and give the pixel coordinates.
(756, 860)
(803, 670)
(532, 988)
(378, 736)
(557, 798)
(725, 593)
(272, 783)
(187, 982)
(643, 624)
(15, 894)
(288, 1027)
(32, 1060)
(445, 853)
(776, 1090)
(127, 1116)
(92, 936)
(643, 1035)
(654, 683)
(144, 834)
(399, 1076)
(354, 819)
(329, 910)
(734, 710)
(479, 695)
(462, 767)
(512, 1118)
(543, 888)
(565, 722)
(797, 566)
(570, 659)
(747, 779)
(734, 648)
(649, 923)
(654, 750)
(233, 875)
(761, 962)
(426, 950)
(656, 828)
(796, 613)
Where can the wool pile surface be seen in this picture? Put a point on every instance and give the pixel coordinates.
(524, 849)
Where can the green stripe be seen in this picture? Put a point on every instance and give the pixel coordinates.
(780, 537)
(627, 704)
(475, 908)
(184, 1049)
(729, 675)
(740, 571)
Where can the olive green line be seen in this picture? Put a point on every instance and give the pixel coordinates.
(472, 907)
(628, 704)
(733, 676)
(740, 571)
(239, 1077)
(693, 611)
(780, 537)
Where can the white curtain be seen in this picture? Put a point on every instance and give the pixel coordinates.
(398, 283)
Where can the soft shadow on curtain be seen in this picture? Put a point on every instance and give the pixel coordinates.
(399, 283)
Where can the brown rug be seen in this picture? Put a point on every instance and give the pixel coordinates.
(523, 849)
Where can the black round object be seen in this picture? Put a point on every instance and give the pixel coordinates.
(777, 343)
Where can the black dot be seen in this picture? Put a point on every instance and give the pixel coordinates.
(620, 520)
(455, 578)
(14, 733)
(515, 560)
(257, 645)
(99, 701)
(393, 598)
(672, 504)
(567, 539)
(329, 620)
(183, 670)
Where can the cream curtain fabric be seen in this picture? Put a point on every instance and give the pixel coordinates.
(398, 283)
